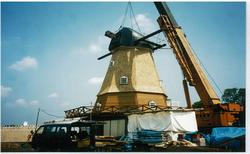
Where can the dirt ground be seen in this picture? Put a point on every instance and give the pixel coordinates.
(15, 140)
(25, 147)
(16, 147)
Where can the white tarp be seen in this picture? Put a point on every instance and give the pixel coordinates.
(174, 121)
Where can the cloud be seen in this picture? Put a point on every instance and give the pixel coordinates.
(34, 103)
(145, 23)
(24, 103)
(98, 45)
(25, 64)
(53, 95)
(21, 102)
(95, 80)
(5, 91)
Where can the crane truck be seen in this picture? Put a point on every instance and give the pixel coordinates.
(214, 113)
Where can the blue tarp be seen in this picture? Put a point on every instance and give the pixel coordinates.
(222, 134)
(144, 136)
(150, 133)
(150, 136)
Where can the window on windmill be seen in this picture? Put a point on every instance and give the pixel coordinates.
(98, 106)
(161, 83)
(124, 80)
(111, 64)
(152, 104)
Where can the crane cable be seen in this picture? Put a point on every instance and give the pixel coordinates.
(132, 17)
(213, 80)
(124, 17)
(158, 39)
(132, 11)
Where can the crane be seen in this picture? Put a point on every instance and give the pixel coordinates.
(215, 113)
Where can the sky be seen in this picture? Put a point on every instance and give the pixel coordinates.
(49, 51)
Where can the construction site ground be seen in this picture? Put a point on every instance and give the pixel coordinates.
(25, 147)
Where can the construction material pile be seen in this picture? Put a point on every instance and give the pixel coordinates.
(109, 143)
(150, 136)
(175, 144)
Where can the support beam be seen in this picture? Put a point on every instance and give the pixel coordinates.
(110, 34)
(158, 47)
(185, 86)
(152, 43)
(106, 55)
(148, 36)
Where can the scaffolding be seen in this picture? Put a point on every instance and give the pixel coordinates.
(89, 111)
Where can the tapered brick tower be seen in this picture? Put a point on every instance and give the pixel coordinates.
(131, 79)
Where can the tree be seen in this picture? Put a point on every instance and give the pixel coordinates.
(230, 95)
(241, 96)
(197, 104)
(234, 95)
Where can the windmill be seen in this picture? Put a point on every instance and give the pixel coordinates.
(131, 79)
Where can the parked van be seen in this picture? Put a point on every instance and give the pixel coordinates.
(66, 135)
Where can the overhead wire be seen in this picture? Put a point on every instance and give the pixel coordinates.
(51, 114)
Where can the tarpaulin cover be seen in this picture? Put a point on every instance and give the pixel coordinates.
(222, 134)
(163, 121)
(150, 136)
(150, 133)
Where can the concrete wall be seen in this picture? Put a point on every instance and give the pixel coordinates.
(15, 134)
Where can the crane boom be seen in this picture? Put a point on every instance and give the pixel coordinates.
(186, 58)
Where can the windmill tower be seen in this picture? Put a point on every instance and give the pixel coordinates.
(131, 79)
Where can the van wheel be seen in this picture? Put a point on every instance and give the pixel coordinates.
(36, 149)
(40, 149)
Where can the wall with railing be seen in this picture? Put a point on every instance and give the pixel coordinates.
(15, 133)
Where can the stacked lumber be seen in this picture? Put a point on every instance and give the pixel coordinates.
(109, 142)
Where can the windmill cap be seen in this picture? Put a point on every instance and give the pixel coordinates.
(126, 37)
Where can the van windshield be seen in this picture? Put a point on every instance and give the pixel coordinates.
(40, 130)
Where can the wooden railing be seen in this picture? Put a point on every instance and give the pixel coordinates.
(126, 110)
